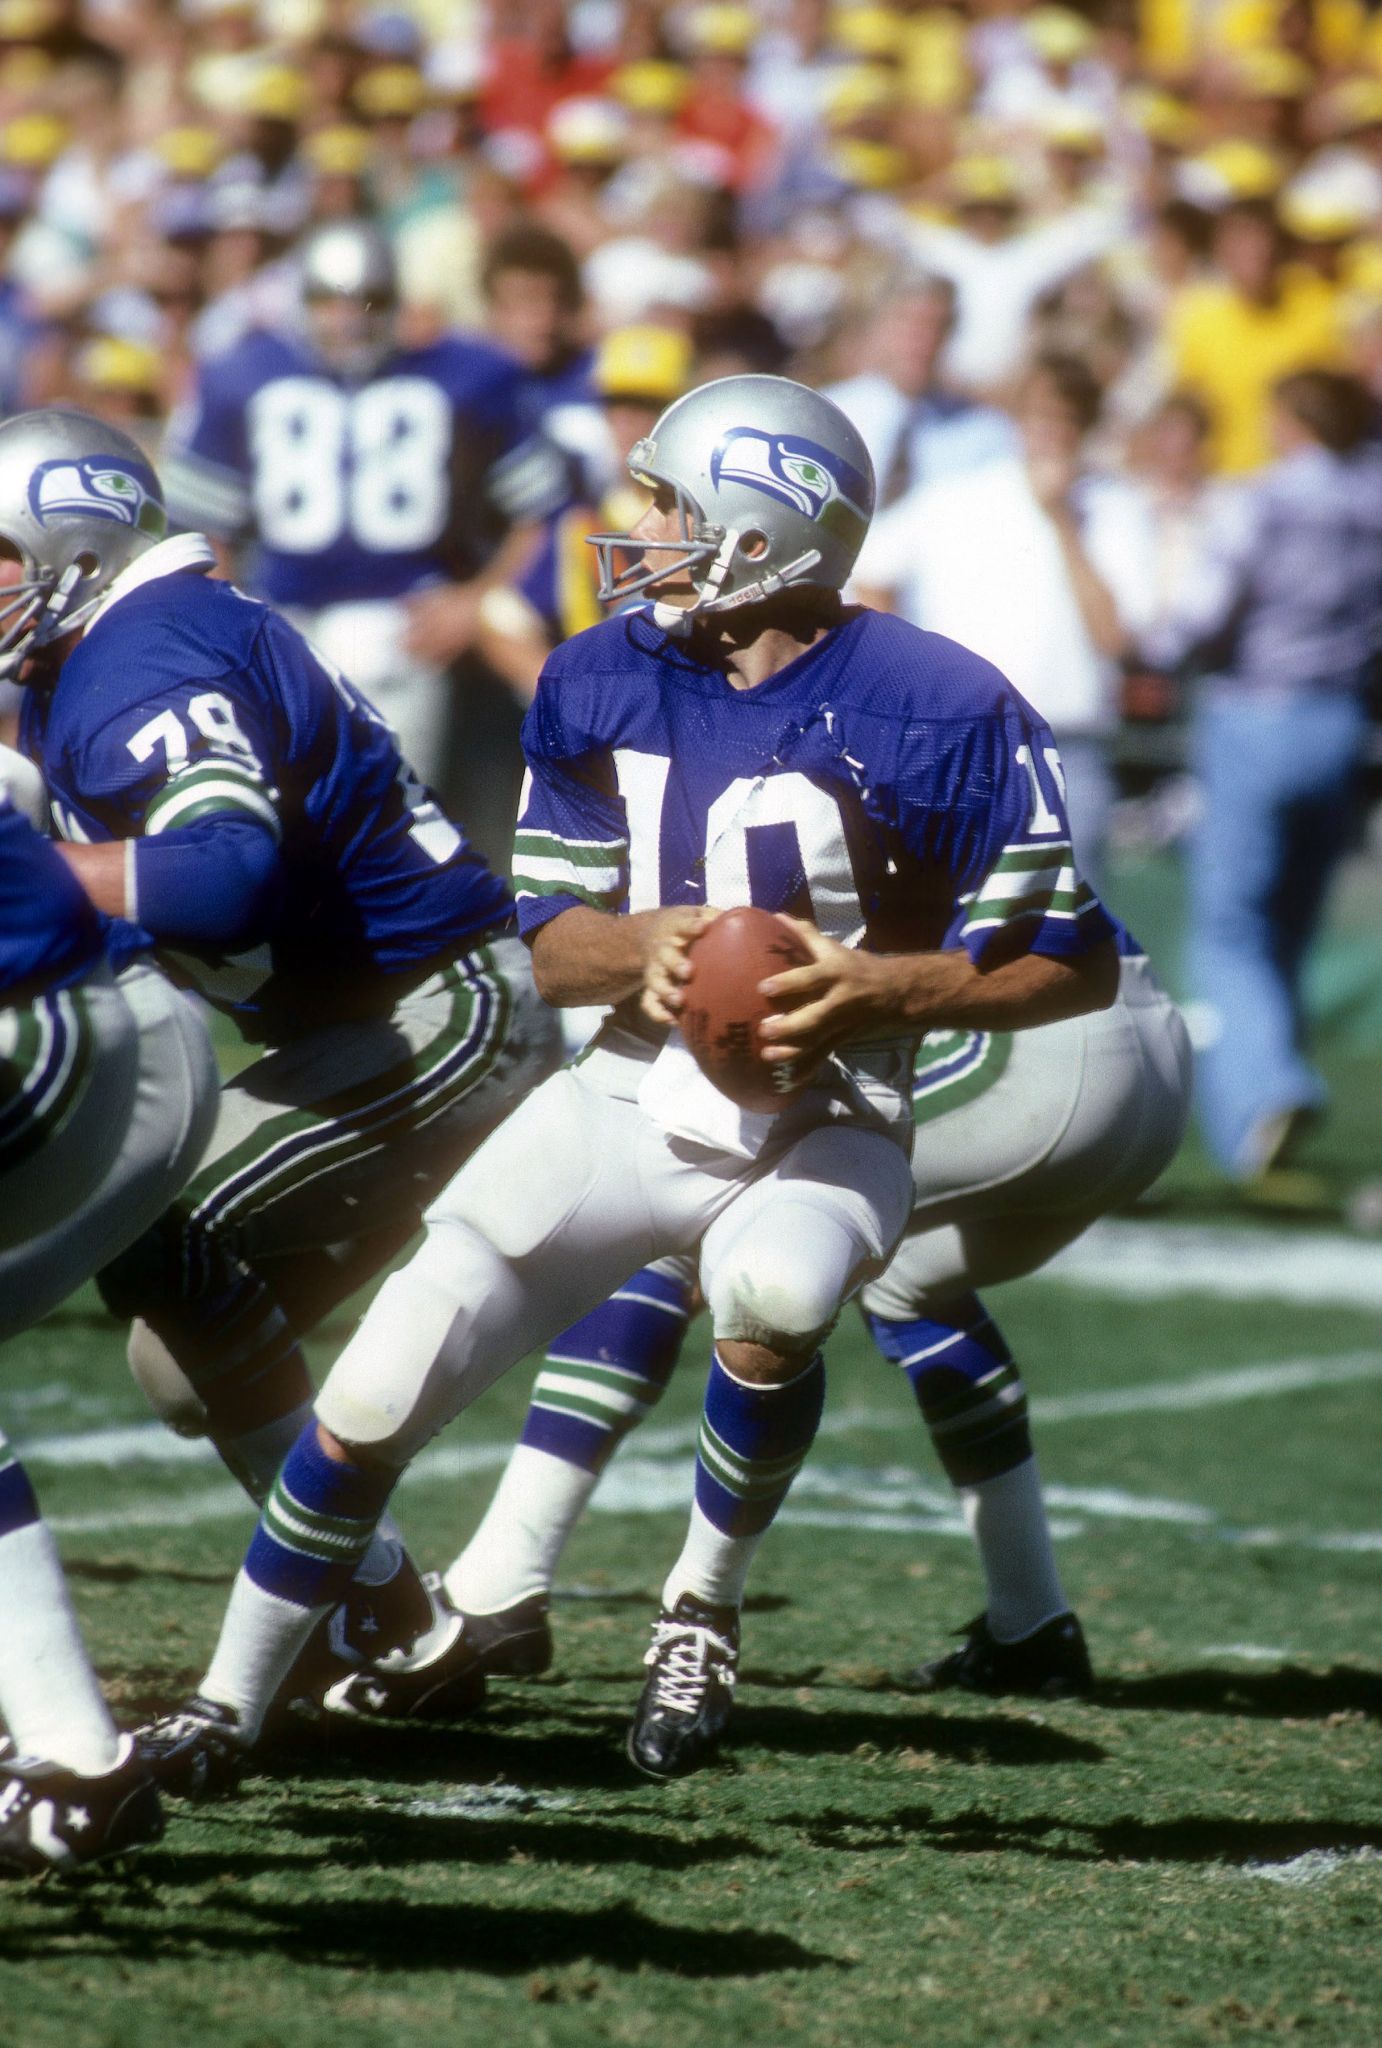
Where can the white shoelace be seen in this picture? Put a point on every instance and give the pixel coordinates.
(682, 1656)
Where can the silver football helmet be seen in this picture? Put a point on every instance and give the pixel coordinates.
(349, 287)
(78, 502)
(773, 487)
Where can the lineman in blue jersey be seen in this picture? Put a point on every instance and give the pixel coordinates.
(240, 807)
(750, 740)
(373, 483)
(84, 1141)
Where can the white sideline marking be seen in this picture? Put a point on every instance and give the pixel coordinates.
(151, 1443)
(887, 1500)
(1314, 1867)
(1147, 1261)
(1212, 1389)
(1114, 1503)
(479, 1802)
(1247, 1653)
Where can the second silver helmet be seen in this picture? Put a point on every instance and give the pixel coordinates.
(78, 503)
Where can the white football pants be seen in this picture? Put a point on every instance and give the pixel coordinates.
(143, 1126)
(1085, 1115)
(568, 1197)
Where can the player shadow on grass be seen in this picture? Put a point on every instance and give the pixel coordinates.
(119, 1571)
(585, 1750)
(1195, 1838)
(383, 1935)
(389, 1837)
(1290, 1692)
(1010, 1738)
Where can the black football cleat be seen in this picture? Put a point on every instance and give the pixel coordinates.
(684, 1707)
(53, 1818)
(435, 1677)
(198, 1752)
(516, 1642)
(1050, 1664)
(366, 1625)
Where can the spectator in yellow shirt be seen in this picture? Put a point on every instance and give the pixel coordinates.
(1233, 338)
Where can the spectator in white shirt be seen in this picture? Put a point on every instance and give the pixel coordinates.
(916, 430)
(1000, 270)
(1040, 565)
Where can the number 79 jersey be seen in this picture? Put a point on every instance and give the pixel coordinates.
(357, 490)
(191, 711)
(888, 785)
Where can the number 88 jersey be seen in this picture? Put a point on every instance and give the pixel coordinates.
(357, 490)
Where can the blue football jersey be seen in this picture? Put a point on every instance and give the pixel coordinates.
(358, 490)
(188, 702)
(49, 934)
(888, 785)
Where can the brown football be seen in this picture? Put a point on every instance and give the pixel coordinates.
(723, 1012)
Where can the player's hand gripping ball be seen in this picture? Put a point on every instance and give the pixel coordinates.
(722, 1010)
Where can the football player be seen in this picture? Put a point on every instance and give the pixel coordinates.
(1022, 1140)
(239, 802)
(747, 739)
(107, 1096)
(383, 488)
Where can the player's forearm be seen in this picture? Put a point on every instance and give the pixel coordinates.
(104, 873)
(590, 956)
(947, 992)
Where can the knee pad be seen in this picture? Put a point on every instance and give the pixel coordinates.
(163, 1383)
(428, 1345)
(773, 1297)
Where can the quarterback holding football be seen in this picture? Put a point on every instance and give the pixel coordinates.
(746, 739)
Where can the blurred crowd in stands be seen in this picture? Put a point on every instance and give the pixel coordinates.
(1101, 286)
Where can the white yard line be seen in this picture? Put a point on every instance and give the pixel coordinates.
(150, 1443)
(1245, 1653)
(1211, 1389)
(885, 1500)
(1314, 1867)
(1148, 1261)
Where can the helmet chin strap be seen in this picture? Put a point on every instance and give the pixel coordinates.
(675, 619)
(52, 620)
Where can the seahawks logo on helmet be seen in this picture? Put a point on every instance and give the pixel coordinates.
(810, 479)
(96, 487)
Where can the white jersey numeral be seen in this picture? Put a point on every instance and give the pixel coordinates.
(1043, 820)
(371, 465)
(813, 840)
(642, 780)
(210, 714)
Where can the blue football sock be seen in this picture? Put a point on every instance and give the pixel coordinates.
(316, 1526)
(604, 1374)
(967, 1387)
(753, 1442)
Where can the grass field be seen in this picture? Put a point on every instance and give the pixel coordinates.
(1194, 1858)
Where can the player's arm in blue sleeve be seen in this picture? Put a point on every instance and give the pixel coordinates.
(205, 464)
(982, 818)
(571, 872)
(181, 783)
(571, 846)
(1015, 874)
